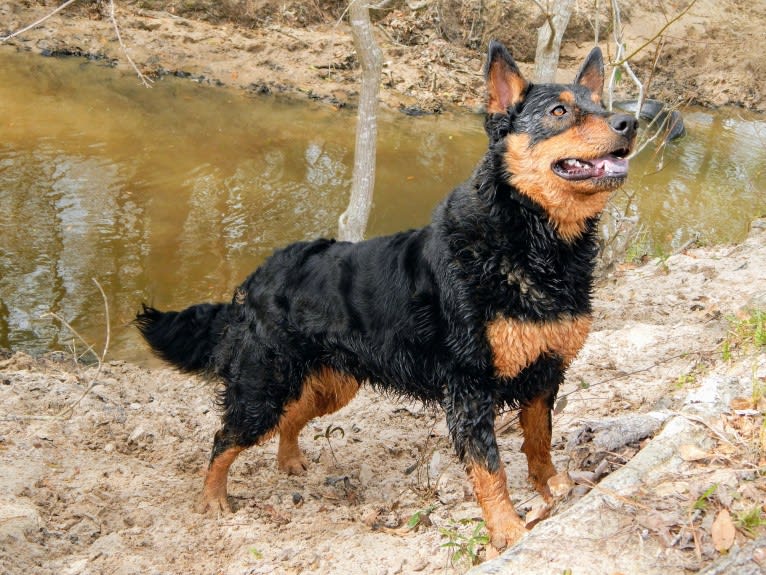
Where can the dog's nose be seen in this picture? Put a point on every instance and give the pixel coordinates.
(624, 124)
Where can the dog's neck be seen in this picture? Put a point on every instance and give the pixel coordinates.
(493, 227)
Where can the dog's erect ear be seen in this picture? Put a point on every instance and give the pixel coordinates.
(505, 84)
(591, 74)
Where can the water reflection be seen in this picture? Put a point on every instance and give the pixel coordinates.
(710, 185)
(173, 195)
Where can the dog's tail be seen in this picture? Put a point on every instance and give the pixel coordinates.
(185, 339)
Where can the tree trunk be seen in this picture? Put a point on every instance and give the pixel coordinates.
(549, 37)
(353, 221)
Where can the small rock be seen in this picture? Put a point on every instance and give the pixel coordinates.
(416, 564)
(365, 474)
(449, 489)
(580, 490)
(138, 434)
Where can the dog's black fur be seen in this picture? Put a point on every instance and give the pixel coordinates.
(408, 313)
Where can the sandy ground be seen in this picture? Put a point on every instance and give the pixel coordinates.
(112, 488)
(712, 56)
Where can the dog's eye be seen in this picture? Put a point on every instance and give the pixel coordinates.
(558, 111)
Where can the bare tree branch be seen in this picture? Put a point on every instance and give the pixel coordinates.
(37, 23)
(144, 79)
(549, 38)
(353, 221)
(657, 35)
(622, 62)
(549, 18)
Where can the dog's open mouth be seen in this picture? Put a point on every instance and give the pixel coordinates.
(614, 165)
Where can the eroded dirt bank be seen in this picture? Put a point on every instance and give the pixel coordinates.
(433, 50)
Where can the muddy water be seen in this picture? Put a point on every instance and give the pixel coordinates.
(173, 195)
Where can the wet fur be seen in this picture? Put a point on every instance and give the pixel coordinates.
(432, 313)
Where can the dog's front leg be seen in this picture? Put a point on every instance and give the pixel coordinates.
(471, 420)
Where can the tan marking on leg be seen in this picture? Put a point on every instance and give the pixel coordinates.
(214, 494)
(517, 344)
(491, 489)
(323, 392)
(536, 425)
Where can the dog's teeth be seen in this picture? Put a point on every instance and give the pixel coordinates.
(573, 163)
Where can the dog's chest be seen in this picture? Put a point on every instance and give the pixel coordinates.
(516, 344)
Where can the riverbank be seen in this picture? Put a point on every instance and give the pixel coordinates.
(112, 488)
(433, 52)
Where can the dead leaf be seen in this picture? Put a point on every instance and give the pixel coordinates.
(689, 452)
(660, 524)
(276, 515)
(723, 531)
(371, 519)
(741, 403)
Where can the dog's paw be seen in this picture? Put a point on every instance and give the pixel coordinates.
(505, 537)
(539, 478)
(293, 465)
(214, 504)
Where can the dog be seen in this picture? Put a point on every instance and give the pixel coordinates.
(483, 308)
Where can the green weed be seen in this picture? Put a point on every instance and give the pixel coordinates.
(684, 380)
(420, 517)
(704, 499)
(745, 333)
(751, 521)
(464, 548)
(639, 248)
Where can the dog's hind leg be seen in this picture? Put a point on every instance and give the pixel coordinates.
(247, 421)
(324, 391)
(214, 492)
(255, 419)
(535, 420)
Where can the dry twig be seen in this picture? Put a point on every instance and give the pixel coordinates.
(69, 409)
(146, 81)
(37, 22)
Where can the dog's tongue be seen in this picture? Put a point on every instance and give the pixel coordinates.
(611, 165)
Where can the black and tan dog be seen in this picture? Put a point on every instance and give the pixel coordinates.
(484, 307)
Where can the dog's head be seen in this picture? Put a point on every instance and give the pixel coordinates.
(559, 146)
